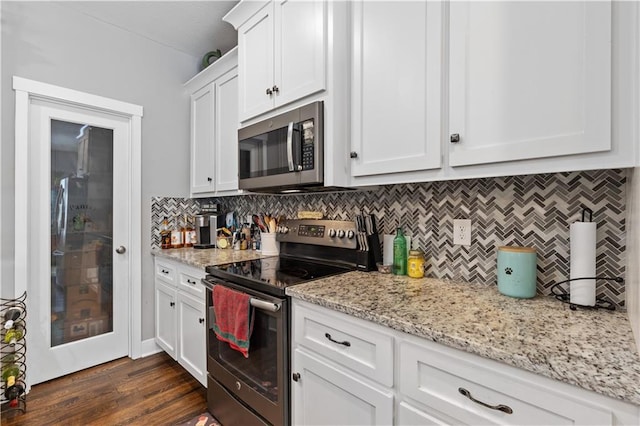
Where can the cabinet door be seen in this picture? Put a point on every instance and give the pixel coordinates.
(202, 140)
(192, 337)
(300, 49)
(255, 64)
(166, 318)
(529, 80)
(326, 395)
(396, 86)
(227, 132)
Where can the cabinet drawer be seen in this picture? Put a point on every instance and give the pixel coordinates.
(189, 282)
(166, 272)
(437, 377)
(346, 340)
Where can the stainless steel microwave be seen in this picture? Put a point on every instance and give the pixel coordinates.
(283, 153)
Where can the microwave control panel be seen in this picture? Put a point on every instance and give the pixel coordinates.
(307, 145)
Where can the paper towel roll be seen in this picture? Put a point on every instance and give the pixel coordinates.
(582, 256)
(387, 248)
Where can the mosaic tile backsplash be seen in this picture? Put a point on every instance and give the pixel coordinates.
(533, 211)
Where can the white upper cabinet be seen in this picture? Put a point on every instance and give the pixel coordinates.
(282, 53)
(396, 86)
(202, 140)
(528, 80)
(214, 128)
(226, 132)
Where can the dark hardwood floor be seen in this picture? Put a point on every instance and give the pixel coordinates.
(154, 390)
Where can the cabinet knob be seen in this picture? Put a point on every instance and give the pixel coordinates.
(209, 179)
(275, 89)
(455, 137)
(353, 154)
(269, 91)
(172, 304)
(200, 320)
(295, 377)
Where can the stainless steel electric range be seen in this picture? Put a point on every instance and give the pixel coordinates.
(256, 390)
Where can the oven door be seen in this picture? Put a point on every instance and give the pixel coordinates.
(261, 380)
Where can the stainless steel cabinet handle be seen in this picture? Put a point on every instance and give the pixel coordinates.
(455, 137)
(500, 407)
(121, 249)
(344, 343)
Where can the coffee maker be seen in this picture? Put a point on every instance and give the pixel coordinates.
(207, 226)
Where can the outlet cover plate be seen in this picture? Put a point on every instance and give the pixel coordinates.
(462, 232)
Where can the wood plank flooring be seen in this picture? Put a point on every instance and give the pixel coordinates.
(154, 390)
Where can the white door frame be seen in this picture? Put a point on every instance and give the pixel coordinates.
(26, 90)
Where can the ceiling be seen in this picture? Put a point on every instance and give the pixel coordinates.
(192, 27)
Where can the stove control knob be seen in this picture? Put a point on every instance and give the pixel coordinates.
(332, 233)
(284, 230)
(340, 233)
(350, 234)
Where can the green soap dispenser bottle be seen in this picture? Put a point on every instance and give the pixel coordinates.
(399, 253)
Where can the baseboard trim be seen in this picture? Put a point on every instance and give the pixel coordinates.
(149, 347)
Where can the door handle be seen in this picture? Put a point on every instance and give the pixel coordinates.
(121, 250)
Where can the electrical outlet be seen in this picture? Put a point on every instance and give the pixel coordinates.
(462, 232)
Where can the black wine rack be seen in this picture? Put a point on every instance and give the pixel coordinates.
(13, 351)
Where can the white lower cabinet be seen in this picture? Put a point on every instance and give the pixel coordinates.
(328, 394)
(180, 316)
(341, 370)
(341, 362)
(165, 317)
(191, 336)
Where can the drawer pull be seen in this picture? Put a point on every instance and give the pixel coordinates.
(191, 282)
(165, 271)
(500, 407)
(345, 343)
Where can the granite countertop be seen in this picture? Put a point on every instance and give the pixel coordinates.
(200, 258)
(592, 349)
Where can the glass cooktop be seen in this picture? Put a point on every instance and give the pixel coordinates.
(273, 274)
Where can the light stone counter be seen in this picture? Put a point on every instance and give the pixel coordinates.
(592, 349)
(200, 258)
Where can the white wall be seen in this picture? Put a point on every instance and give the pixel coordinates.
(51, 43)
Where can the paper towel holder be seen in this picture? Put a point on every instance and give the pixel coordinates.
(587, 210)
(600, 303)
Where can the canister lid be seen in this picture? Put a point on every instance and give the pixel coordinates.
(518, 249)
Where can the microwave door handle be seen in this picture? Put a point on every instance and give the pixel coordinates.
(290, 146)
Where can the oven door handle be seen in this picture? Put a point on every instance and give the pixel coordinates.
(264, 305)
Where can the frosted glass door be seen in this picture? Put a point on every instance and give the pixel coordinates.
(81, 231)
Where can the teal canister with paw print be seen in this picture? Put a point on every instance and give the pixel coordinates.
(517, 271)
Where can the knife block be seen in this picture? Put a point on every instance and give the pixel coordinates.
(366, 259)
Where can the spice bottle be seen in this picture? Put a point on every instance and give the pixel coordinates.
(415, 264)
(165, 234)
(399, 253)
